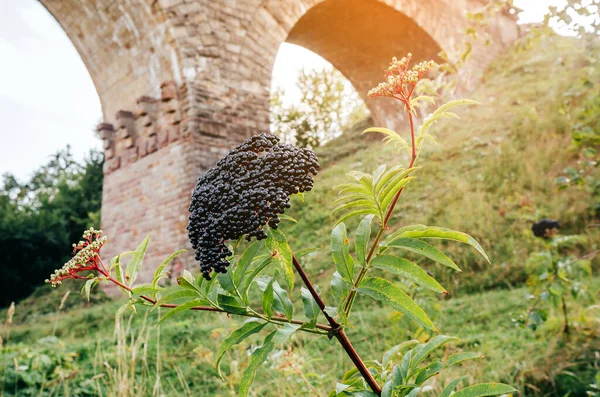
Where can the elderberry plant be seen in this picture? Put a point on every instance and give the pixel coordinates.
(245, 195)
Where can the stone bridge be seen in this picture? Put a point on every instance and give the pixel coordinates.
(181, 81)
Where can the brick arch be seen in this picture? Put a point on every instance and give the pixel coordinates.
(181, 81)
(359, 37)
(125, 46)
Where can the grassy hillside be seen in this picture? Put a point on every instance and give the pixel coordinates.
(491, 175)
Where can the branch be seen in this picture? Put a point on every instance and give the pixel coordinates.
(338, 331)
(277, 318)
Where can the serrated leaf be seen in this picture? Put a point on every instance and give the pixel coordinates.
(390, 136)
(354, 214)
(429, 371)
(176, 295)
(311, 307)
(393, 190)
(460, 358)
(282, 301)
(485, 389)
(268, 298)
(144, 289)
(230, 304)
(87, 287)
(388, 355)
(383, 190)
(421, 352)
(226, 282)
(245, 261)
(339, 288)
(442, 112)
(432, 232)
(134, 266)
(422, 248)
(361, 203)
(158, 273)
(396, 298)
(247, 281)
(181, 308)
(236, 337)
(344, 263)
(363, 234)
(451, 386)
(257, 357)
(282, 255)
(408, 270)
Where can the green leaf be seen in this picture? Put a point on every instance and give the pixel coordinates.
(176, 295)
(388, 355)
(421, 352)
(311, 307)
(268, 298)
(392, 191)
(353, 214)
(442, 112)
(158, 273)
(88, 287)
(236, 337)
(392, 184)
(247, 281)
(344, 263)
(282, 301)
(258, 356)
(386, 390)
(433, 232)
(339, 288)
(134, 266)
(181, 308)
(284, 333)
(226, 282)
(460, 358)
(431, 370)
(282, 255)
(119, 272)
(450, 387)
(485, 389)
(285, 217)
(230, 304)
(144, 289)
(390, 136)
(245, 261)
(422, 248)
(363, 234)
(393, 296)
(409, 270)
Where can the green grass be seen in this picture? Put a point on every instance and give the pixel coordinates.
(491, 175)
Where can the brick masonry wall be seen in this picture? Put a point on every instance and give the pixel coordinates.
(181, 81)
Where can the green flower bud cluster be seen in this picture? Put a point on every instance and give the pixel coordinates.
(86, 257)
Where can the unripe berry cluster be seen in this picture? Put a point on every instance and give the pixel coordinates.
(245, 191)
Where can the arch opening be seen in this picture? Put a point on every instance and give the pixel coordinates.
(359, 38)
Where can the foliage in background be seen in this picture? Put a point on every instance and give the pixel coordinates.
(258, 282)
(556, 275)
(40, 218)
(328, 104)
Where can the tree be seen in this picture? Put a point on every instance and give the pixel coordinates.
(328, 104)
(40, 218)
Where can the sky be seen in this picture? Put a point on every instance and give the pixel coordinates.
(48, 100)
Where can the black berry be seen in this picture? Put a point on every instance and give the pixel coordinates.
(245, 191)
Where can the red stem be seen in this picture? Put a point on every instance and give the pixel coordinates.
(338, 331)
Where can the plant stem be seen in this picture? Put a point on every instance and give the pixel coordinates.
(382, 228)
(274, 318)
(338, 331)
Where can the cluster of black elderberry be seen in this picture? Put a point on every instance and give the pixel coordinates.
(245, 191)
(545, 228)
